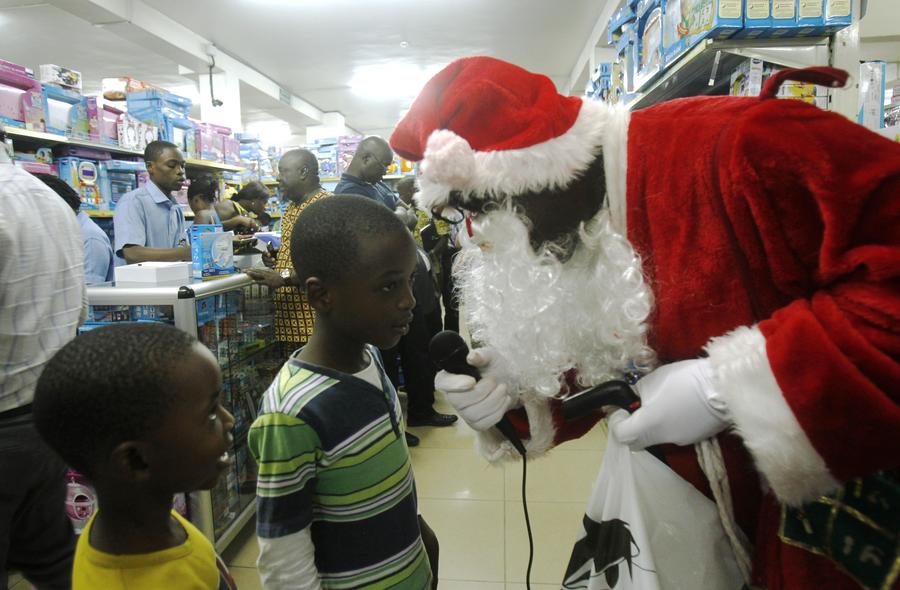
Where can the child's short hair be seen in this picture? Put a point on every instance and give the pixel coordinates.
(105, 387)
(325, 238)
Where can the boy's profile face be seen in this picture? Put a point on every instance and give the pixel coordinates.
(190, 449)
(374, 303)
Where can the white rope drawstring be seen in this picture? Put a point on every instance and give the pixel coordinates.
(709, 455)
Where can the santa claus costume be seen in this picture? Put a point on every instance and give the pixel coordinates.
(769, 234)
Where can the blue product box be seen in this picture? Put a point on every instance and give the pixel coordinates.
(810, 18)
(58, 103)
(648, 43)
(757, 19)
(625, 14)
(212, 254)
(160, 99)
(784, 19)
(688, 22)
(178, 130)
(838, 15)
(625, 52)
(84, 177)
(871, 94)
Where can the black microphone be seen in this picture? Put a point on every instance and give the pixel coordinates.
(609, 393)
(448, 351)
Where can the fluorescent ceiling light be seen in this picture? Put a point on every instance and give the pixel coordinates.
(274, 132)
(391, 80)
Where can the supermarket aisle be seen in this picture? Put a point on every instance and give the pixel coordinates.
(476, 511)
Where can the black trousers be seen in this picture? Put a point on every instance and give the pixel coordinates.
(418, 370)
(36, 536)
(448, 291)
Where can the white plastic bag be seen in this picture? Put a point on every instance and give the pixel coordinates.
(648, 529)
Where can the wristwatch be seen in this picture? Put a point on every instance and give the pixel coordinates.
(286, 276)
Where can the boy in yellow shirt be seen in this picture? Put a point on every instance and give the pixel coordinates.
(137, 409)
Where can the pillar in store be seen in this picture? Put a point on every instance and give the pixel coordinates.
(227, 89)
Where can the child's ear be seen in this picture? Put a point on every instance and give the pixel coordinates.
(318, 294)
(129, 462)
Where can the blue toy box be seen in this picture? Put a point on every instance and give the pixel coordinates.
(626, 57)
(784, 18)
(167, 103)
(212, 253)
(838, 15)
(688, 22)
(648, 43)
(757, 19)
(178, 130)
(810, 17)
(83, 176)
(58, 105)
(625, 14)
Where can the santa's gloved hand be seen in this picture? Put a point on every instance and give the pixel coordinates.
(480, 403)
(678, 405)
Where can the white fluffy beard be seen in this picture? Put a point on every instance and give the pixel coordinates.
(544, 316)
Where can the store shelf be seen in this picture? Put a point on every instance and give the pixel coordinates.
(211, 165)
(706, 69)
(270, 182)
(53, 139)
(99, 214)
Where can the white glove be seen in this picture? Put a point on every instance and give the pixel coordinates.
(678, 405)
(480, 403)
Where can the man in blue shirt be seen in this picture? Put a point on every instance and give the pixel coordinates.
(363, 176)
(148, 223)
(99, 261)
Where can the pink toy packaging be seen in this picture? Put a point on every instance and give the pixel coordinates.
(109, 129)
(21, 101)
(231, 150)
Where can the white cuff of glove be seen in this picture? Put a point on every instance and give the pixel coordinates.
(679, 405)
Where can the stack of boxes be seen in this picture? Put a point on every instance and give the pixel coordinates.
(651, 35)
(166, 111)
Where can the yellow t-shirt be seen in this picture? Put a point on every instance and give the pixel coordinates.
(193, 565)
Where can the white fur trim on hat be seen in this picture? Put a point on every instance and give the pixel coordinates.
(782, 451)
(449, 163)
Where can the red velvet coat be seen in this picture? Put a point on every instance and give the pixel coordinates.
(770, 234)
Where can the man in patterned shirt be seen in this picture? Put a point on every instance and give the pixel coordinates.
(298, 177)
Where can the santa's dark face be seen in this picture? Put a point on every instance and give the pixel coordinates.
(554, 215)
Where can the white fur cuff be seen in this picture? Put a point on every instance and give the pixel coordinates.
(762, 418)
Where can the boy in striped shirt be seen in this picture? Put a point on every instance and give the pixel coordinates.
(336, 496)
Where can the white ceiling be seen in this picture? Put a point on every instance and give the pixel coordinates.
(313, 47)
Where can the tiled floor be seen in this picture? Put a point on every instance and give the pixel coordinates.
(476, 511)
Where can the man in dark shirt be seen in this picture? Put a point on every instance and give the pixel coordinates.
(363, 176)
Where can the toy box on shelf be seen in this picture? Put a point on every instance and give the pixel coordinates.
(626, 58)
(118, 177)
(21, 99)
(60, 76)
(83, 176)
(109, 124)
(687, 22)
(168, 112)
(326, 153)
(135, 134)
(625, 14)
(346, 148)
(58, 103)
(757, 19)
(648, 43)
(872, 90)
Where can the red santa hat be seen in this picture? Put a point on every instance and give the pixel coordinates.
(488, 128)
